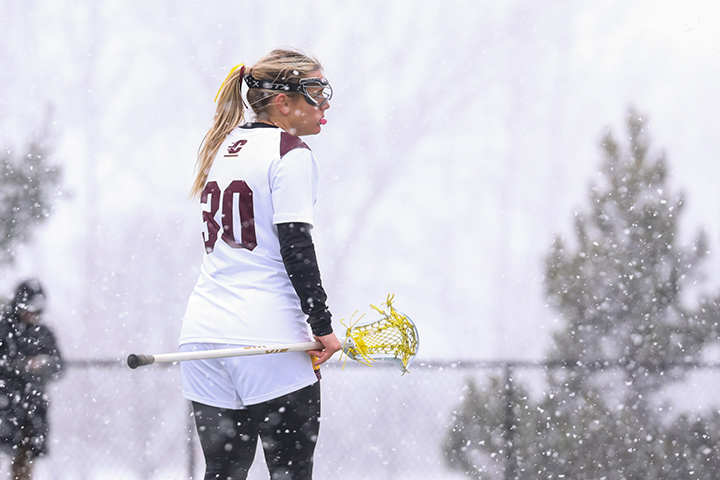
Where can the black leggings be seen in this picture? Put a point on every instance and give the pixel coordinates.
(287, 426)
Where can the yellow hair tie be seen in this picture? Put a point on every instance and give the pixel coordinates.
(239, 65)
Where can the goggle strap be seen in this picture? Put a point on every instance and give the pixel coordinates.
(253, 82)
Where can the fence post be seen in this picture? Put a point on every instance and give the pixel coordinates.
(509, 425)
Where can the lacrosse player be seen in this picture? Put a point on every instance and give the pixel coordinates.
(259, 281)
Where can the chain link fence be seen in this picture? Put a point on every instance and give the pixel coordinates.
(112, 423)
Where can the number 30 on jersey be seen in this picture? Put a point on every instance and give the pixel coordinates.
(236, 202)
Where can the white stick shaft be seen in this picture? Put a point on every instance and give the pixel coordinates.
(236, 352)
(223, 352)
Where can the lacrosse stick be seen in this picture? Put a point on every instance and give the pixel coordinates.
(393, 337)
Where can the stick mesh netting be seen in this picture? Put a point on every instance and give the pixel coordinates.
(393, 337)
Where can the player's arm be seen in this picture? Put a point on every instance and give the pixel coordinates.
(298, 254)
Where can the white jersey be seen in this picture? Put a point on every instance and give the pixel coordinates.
(260, 177)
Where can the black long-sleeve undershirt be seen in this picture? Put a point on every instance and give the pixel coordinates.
(298, 254)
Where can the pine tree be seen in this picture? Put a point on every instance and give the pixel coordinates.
(619, 290)
(28, 185)
(625, 339)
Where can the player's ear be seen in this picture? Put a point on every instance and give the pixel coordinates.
(282, 102)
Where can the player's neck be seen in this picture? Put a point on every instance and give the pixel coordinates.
(268, 119)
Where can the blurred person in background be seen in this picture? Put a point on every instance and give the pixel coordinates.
(29, 360)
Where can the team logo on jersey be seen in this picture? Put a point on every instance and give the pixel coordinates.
(235, 147)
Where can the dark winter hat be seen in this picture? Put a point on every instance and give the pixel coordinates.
(29, 296)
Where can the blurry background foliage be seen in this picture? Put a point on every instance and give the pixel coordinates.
(29, 185)
(609, 406)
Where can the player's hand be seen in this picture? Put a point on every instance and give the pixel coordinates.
(331, 344)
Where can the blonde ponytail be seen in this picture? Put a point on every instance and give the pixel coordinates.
(230, 113)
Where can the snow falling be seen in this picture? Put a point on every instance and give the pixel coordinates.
(465, 145)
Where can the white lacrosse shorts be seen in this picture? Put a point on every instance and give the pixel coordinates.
(233, 382)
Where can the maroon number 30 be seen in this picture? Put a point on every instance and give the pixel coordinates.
(239, 194)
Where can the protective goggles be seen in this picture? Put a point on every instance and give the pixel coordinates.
(317, 91)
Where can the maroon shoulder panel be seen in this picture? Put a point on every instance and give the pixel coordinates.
(290, 142)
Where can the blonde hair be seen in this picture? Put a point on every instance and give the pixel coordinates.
(280, 65)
